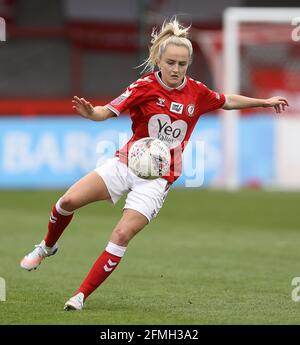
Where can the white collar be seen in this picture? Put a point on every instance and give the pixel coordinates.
(181, 86)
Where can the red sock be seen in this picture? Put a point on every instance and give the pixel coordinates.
(102, 268)
(58, 221)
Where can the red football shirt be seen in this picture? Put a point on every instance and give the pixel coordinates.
(169, 114)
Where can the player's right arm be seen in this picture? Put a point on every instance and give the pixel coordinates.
(86, 110)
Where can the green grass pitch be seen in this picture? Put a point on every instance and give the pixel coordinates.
(209, 258)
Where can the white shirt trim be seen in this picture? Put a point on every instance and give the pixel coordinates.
(181, 86)
(114, 110)
(224, 102)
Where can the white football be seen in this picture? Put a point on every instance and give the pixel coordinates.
(149, 158)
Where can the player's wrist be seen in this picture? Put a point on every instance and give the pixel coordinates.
(265, 103)
(93, 114)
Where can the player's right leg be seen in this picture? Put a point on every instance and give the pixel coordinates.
(89, 189)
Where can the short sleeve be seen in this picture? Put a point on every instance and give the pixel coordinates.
(131, 97)
(210, 100)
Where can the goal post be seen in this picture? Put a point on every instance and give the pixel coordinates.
(233, 19)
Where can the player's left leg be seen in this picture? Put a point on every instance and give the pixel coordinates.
(130, 224)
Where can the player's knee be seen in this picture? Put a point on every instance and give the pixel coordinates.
(68, 202)
(121, 236)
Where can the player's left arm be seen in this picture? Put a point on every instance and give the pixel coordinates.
(241, 102)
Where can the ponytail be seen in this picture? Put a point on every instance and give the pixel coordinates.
(171, 33)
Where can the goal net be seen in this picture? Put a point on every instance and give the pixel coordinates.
(258, 55)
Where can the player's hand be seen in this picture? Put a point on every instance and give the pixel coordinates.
(83, 107)
(279, 103)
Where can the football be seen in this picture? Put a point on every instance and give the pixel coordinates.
(149, 158)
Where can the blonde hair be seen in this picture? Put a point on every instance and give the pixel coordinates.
(171, 33)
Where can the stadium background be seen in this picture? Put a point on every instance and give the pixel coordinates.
(230, 257)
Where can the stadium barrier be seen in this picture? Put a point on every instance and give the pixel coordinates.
(55, 152)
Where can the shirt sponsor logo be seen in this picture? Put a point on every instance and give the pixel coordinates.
(176, 108)
(171, 133)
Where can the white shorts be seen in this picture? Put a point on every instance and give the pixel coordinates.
(145, 196)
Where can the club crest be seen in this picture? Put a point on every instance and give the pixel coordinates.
(190, 110)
